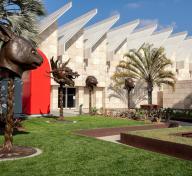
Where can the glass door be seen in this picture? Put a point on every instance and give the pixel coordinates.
(71, 92)
(68, 97)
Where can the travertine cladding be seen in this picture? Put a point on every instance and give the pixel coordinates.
(103, 96)
(54, 98)
(181, 97)
(139, 95)
(136, 39)
(96, 64)
(48, 45)
(97, 67)
(49, 42)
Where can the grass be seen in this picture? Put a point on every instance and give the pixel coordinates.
(67, 154)
(167, 134)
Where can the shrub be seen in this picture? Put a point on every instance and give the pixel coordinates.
(94, 110)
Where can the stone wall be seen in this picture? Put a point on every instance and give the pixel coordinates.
(48, 41)
(48, 45)
(181, 97)
(104, 96)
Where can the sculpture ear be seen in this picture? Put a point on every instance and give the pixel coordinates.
(67, 62)
(5, 33)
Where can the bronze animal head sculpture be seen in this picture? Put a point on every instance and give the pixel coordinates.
(17, 54)
(63, 74)
(129, 84)
(91, 82)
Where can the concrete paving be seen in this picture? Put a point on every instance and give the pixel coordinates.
(113, 138)
(66, 113)
(38, 152)
(116, 138)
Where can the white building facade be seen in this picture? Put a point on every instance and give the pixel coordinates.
(96, 50)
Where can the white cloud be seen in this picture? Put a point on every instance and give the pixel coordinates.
(133, 5)
(146, 22)
(172, 25)
(114, 12)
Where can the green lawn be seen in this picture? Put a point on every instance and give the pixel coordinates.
(167, 134)
(67, 154)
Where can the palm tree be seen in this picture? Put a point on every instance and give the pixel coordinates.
(147, 63)
(22, 16)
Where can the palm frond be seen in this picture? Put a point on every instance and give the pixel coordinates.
(22, 16)
(148, 64)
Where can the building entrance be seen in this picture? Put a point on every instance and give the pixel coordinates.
(69, 99)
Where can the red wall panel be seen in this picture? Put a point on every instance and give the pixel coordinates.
(36, 89)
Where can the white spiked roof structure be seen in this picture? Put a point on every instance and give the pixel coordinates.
(67, 31)
(70, 29)
(118, 35)
(94, 33)
(184, 50)
(50, 19)
(157, 38)
(140, 36)
(173, 42)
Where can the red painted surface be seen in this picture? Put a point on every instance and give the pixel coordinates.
(36, 89)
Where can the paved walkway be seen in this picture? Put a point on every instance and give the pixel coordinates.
(114, 138)
(101, 132)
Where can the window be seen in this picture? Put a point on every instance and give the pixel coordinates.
(68, 97)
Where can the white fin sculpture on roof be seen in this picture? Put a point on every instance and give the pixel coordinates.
(94, 33)
(140, 36)
(183, 59)
(157, 38)
(67, 31)
(172, 43)
(50, 19)
(184, 50)
(117, 36)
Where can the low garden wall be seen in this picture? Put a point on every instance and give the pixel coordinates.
(165, 147)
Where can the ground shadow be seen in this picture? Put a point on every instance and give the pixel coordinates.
(15, 132)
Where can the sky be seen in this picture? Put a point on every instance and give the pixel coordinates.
(167, 13)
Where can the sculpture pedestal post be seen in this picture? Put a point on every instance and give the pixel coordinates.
(90, 101)
(128, 98)
(61, 102)
(8, 134)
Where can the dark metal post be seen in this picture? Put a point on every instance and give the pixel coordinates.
(61, 101)
(129, 85)
(8, 142)
(128, 98)
(90, 100)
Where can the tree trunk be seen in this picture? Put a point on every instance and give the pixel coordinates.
(90, 101)
(149, 90)
(61, 102)
(8, 134)
(149, 97)
(1, 109)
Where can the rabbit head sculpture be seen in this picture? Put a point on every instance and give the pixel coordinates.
(17, 54)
